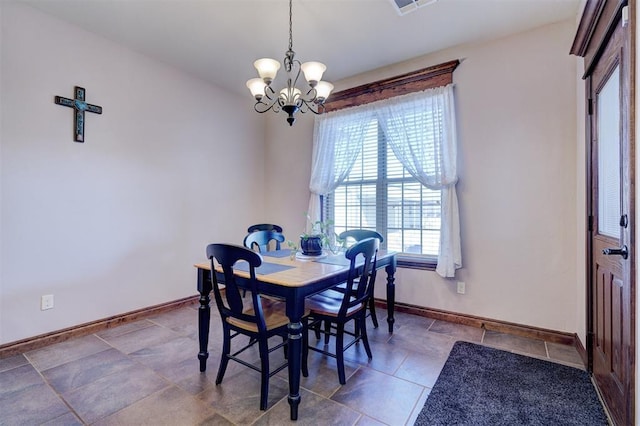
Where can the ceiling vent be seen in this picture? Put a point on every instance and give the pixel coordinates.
(405, 6)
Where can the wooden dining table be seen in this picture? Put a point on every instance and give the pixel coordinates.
(292, 280)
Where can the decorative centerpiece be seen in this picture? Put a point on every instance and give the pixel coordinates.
(311, 245)
(320, 235)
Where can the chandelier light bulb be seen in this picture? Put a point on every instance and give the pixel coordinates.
(290, 95)
(313, 72)
(323, 90)
(267, 69)
(256, 86)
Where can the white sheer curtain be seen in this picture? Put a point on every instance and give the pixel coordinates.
(337, 141)
(421, 130)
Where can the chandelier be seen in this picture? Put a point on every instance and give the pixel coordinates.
(289, 99)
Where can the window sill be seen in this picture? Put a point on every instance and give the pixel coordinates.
(416, 262)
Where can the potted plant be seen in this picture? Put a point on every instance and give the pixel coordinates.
(319, 235)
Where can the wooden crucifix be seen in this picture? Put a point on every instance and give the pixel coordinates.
(80, 106)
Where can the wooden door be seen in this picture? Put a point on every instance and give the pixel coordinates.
(611, 216)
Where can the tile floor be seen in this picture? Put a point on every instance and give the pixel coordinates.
(146, 372)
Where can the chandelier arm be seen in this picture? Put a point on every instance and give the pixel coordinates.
(262, 107)
(271, 103)
(269, 92)
(312, 106)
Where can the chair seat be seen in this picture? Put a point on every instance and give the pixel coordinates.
(274, 316)
(328, 303)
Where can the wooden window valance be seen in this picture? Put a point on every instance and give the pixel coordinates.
(415, 81)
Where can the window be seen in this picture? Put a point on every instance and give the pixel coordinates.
(384, 158)
(380, 194)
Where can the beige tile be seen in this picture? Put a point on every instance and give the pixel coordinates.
(368, 421)
(376, 394)
(323, 374)
(457, 331)
(183, 321)
(18, 379)
(64, 352)
(114, 392)
(237, 398)
(380, 334)
(419, 405)
(142, 338)
(215, 420)
(417, 339)
(124, 329)
(30, 405)
(170, 406)
(402, 319)
(386, 357)
(565, 353)
(12, 362)
(513, 343)
(423, 368)
(68, 419)
(81, 372)
(313, 410)
(165, 355)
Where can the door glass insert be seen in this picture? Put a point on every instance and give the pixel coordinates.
(608, 104)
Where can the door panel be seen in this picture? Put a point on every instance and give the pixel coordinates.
(612, 349)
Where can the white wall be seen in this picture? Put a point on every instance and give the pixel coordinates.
(518, 181)
(116, 223)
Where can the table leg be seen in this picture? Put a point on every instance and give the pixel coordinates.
(391, 292)
(295, 358)
(204, 316)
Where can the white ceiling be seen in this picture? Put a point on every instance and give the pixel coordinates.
(218, 40)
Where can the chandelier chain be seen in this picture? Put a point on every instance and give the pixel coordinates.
(290, 25)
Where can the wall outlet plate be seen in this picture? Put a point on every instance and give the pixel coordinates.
(461, 287)
(46, 302)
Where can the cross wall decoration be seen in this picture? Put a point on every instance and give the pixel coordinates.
(80, 106)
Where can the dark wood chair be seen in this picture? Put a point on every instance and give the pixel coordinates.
(264, 227)
(258, 318)
(359, 235)
(336, 311)
(261, 240)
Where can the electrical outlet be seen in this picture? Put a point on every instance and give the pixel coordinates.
(461, 287)
(46, 302)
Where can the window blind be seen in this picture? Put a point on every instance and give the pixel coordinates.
(380, 194)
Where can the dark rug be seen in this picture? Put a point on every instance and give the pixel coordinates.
(479, 385)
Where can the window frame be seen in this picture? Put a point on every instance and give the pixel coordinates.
(414, 81)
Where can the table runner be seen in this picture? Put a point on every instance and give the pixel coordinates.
(265, 269)
(277, 253)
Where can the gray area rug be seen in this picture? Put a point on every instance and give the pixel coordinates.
(479, 385)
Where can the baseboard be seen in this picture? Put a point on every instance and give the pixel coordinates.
(580, 348)
(37, 342)
(490, 324)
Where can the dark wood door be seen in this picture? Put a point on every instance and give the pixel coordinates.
(611, 347)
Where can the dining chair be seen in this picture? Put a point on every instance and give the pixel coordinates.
(260, 319)
(336, 311)
(264, 227)
(261, 239)
(358, 235)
